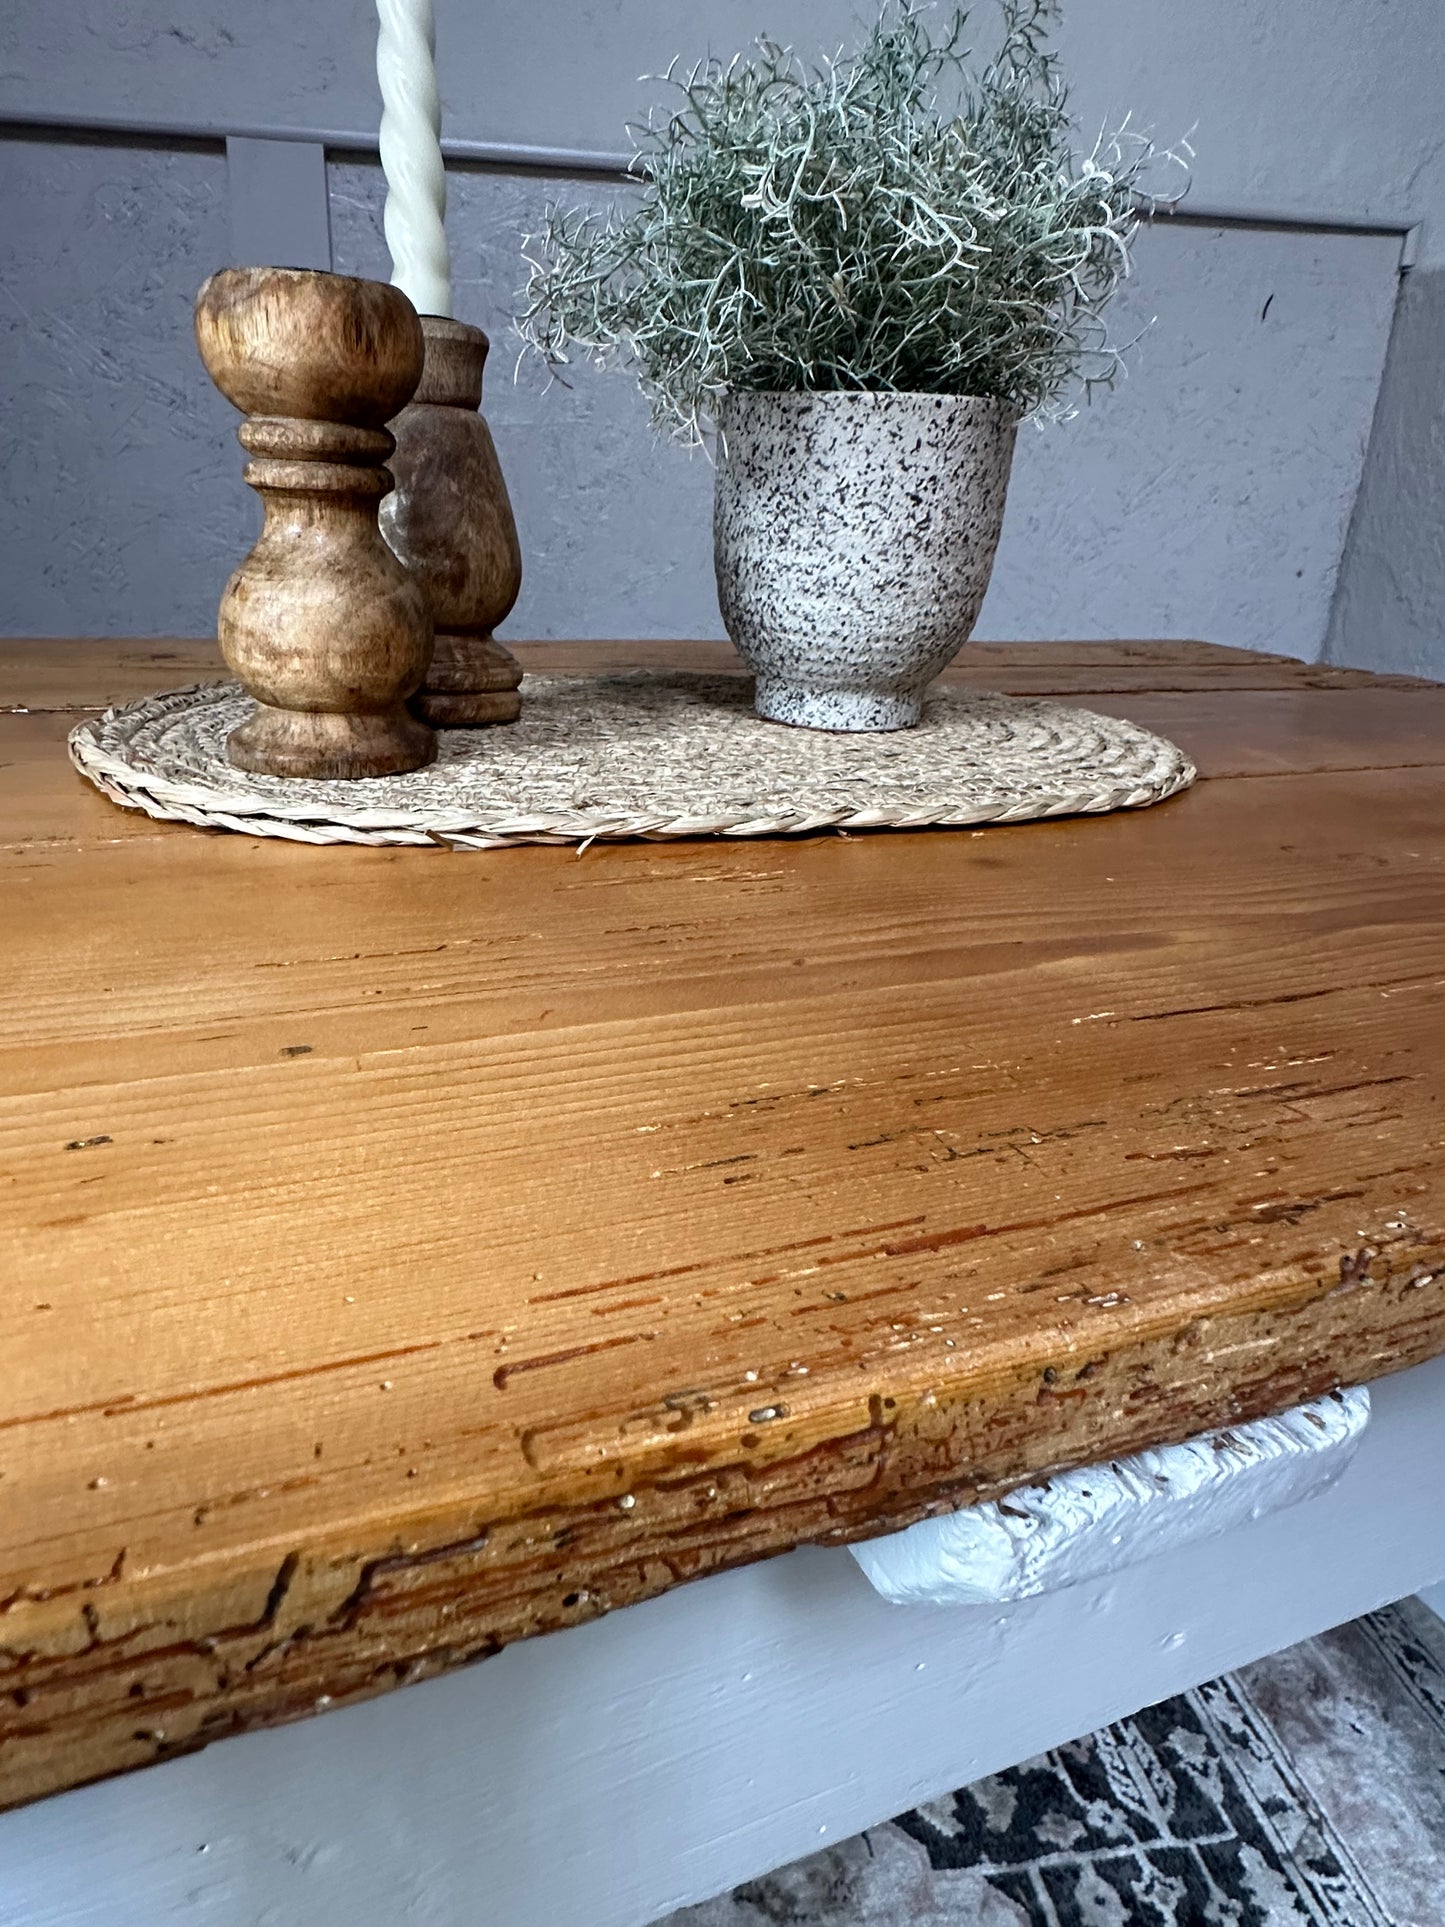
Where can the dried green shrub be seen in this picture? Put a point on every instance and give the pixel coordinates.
(846, 227)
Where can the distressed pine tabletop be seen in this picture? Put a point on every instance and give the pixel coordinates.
(403, 1252)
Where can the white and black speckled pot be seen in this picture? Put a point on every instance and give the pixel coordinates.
(853, 536)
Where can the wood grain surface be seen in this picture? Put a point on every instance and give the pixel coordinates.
(406, 1251)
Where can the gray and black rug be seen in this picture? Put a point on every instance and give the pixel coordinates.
(1305, 1791)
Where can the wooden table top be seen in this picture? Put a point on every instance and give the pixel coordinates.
(408, 1251)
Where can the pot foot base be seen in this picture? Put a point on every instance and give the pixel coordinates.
(837, 709)
(309, 743)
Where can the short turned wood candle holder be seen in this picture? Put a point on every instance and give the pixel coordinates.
(450, 522)
(321, 623)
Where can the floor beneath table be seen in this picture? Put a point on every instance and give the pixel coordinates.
(1305, 1791)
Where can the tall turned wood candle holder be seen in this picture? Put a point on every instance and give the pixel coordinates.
(450, 522)
(321, 623)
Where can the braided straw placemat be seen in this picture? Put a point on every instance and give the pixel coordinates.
(642, 755)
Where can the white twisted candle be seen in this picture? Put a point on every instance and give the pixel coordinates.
(411, 155)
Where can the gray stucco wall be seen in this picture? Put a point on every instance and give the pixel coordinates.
(1389, 612)
(1209, 496)
(115, 516)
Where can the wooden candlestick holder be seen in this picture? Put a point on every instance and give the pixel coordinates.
(321, 623)
(450, 522)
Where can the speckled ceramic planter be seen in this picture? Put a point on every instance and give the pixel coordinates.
(853, 537)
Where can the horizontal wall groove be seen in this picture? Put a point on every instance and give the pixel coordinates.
(514, 157)
(509, 157)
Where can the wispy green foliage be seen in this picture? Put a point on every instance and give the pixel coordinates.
(896, 219)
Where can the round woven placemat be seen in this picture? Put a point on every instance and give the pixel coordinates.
(642, 755)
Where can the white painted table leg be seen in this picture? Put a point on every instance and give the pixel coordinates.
(1100, 1519)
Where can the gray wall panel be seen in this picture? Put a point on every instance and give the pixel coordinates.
(119, 487)
(1390, 609)
(1208, 495)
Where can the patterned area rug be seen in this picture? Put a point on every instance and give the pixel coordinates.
(1306, 1791)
